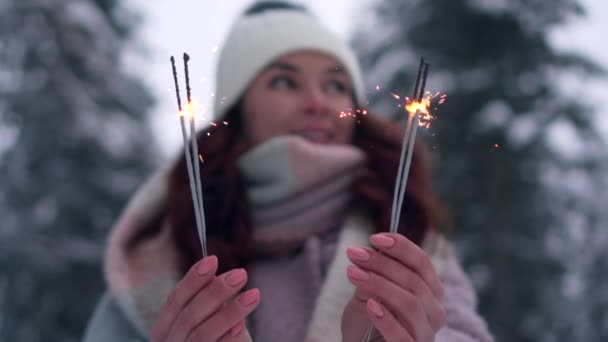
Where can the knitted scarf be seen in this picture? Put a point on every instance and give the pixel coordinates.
(298, 193)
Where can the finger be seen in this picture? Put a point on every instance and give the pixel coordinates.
(199, 276)
(225, 323)
(409, 254)
(234, 334)
(206, 302)
(386, 323)
(390, 269)
(238, 333)
(406, 307)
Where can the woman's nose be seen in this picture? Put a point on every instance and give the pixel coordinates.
(316, 102)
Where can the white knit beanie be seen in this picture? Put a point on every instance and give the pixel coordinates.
(259, 38)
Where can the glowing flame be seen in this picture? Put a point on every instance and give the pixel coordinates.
(189, 110)
(193, 109)
(421, 107)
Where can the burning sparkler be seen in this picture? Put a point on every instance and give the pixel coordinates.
(191, 154)
(418, 110)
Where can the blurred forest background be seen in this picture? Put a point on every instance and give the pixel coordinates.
(520, 159)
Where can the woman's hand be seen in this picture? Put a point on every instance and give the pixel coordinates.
(202, 307)
(397, 289)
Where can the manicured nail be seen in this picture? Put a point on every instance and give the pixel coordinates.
(236, 277)
(207, 265)
(249, 297)
(375, 308)
(357, 273)
(382, 240)
(358, 254)
(237, 329)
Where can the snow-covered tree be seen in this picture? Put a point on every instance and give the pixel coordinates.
(499, 142)
(74, 143)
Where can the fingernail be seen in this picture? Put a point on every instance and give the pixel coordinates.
(358, 254)
(382, 240)
(237, 329)
(357, 273)
(375, 308)
(236, 277)
(249, 297)
(207, 265)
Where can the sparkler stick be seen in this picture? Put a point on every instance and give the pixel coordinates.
(408, 162)
(408, 127)
(193, 189)
(405, 160)
(410, 152)
(202, 229)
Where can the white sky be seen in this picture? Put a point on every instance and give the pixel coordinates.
(198, 27)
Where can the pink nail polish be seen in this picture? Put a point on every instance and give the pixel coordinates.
(358, 254)
(381, 240)
(357, 273)
(236, 277)
(375, 308)
(249, 297)
(207, 265)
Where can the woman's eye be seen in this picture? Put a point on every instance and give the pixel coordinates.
(282, 82)
(336, 87)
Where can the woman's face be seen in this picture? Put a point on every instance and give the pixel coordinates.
(300, 93)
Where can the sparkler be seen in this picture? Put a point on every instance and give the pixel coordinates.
(417, 109)
(192, 159)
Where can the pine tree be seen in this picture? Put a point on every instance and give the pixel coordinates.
(492, 141)
(74, 143)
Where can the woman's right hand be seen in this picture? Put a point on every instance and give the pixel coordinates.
(202, 306)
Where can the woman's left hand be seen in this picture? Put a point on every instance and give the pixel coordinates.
(397, 289)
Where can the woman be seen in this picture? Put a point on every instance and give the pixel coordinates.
(293, 190)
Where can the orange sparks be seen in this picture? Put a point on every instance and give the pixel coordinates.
(194, 109)
(496, 145)
(396, 96)
(378, 87)
(423, 107)
(201, 158)
(191, 109)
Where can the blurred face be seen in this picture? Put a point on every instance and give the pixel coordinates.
(300, 93)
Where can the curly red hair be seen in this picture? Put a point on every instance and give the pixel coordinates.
(229, 231)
